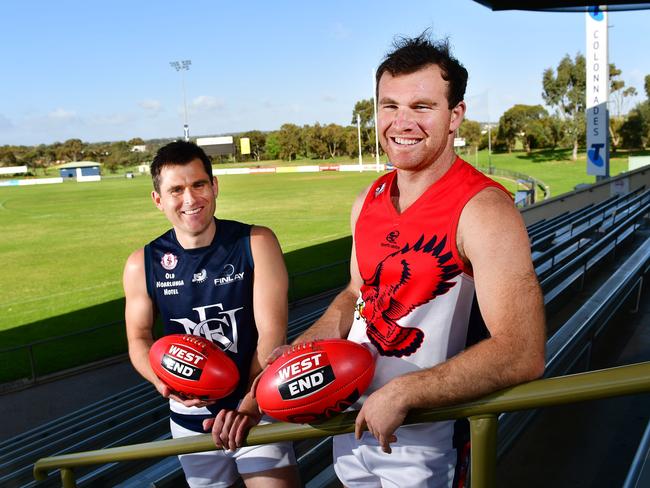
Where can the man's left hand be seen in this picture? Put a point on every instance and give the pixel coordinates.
(230, 427)
(382, 413)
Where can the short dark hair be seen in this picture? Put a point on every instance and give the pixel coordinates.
(181, 153)
(412, 54)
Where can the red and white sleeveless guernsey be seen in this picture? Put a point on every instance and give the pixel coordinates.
(417, 293)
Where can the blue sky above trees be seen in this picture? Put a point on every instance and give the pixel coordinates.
(100, 71)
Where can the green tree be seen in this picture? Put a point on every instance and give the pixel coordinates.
(72, 149)
(366, 111)
(290, 140)
(525, 122)
(554, 129)
(7, 156)
(618, 95)
(565, 89)
(272, 146)
(136, 141)
(335, 139)
(352, 141)
(617, 91)
(258, 142)
(635, 130)
(470, 130)
(315, 142)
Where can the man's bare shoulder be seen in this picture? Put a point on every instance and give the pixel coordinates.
(490, 207)
(135, 261)
(358, 202)
(261, 232)
(491, 222)
(263, 238)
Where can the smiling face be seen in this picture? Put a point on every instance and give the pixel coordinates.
(187, 198)
(416, 125)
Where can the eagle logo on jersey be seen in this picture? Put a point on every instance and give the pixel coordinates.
(403, 281)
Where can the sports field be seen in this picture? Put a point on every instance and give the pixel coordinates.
(63, 246)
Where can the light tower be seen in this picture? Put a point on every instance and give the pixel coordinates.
(183, 66)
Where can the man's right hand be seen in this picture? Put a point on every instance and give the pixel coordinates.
(167, 392)
(275, 354)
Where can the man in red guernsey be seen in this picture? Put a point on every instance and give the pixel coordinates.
(427, 238)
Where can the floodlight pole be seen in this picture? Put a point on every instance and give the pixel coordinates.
(489, 148)
(183, 66)
(359, 139)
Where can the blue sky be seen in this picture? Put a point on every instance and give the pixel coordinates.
(100, 71)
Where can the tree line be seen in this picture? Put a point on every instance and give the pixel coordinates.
(521, 126)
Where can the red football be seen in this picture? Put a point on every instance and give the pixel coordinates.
(193, 366)
(313, 381)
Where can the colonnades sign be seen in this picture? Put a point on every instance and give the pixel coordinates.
(597, 93)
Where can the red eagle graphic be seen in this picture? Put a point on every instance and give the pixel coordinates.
(404, 280)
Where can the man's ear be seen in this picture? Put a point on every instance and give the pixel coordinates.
(215, 186)
(155, 196)
(457, 116)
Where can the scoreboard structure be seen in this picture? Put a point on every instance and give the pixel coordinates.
(217, 146)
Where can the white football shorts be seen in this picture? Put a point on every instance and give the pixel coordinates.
(220, 469)
(416, 461)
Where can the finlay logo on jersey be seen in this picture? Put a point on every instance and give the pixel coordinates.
(304, 375)
(183, 361)
(215, 324)
(228, 276)
(380, 189)
(169, 261)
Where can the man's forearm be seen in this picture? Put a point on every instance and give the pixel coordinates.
(336, 321)
(139, 355)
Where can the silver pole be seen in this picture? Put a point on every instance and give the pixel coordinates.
(359, 139)
(374, 102)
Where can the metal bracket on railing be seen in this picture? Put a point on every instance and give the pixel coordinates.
(67, 478)
(483, 434)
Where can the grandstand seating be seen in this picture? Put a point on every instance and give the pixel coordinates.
(565, 249)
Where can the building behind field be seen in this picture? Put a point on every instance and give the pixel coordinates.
(81, 170)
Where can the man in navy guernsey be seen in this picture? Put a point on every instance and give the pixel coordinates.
(219, 279)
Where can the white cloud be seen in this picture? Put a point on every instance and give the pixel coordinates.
(62, 115)
(150, 105)
(328, 98)
(109, 120)
(207, 103)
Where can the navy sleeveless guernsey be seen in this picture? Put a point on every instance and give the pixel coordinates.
(207, 292)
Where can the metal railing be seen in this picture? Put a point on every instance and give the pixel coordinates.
(492, 170)
(482, 413)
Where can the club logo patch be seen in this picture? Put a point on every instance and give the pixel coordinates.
(200, 277)
(169, 261)
(392, 236)
(380, 189)
(183, 362)
(304, 375)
